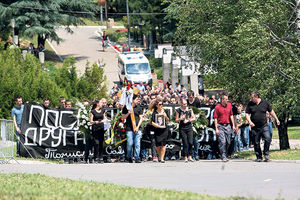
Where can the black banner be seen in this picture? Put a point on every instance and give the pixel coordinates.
(50, 133)
(53, 134)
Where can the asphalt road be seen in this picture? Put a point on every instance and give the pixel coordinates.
(235, 178)
(85, 45)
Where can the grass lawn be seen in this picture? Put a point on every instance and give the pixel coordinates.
(291, 154)
(37, 186)
(293, 132)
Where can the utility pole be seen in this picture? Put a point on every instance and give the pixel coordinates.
(101, 15)
(128, 24)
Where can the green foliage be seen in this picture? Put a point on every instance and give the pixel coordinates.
(40, 17)
(156, 64)
(25, 78)
(252, 45)
(92, 83)
(116, 36)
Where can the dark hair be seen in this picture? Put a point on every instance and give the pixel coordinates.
(96, 101)
(61, 98)
(190, 93)
(135, 96)
(255, 93)
(18, 97)
(46, 99)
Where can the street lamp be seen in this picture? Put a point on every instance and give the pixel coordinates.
(13, 23)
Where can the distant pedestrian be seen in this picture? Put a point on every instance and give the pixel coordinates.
(16, 114)
(200, 85)
(222, 116)
(256, 115)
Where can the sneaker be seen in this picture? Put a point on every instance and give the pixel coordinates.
(162, 161)
(173, 158)
(197, 158)
(186, 161)
(155, 159)
(225, 160)
(137, 161)
(109, 160)
(258, 160)
(191, 160)
(267, 159)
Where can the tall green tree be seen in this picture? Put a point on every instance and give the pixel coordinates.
(41, 17)
(252, 45)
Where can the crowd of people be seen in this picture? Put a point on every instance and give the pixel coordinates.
(229, 119)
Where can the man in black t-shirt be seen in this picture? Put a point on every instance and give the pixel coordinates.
(133, 132)
(192, 101)
(256, 116)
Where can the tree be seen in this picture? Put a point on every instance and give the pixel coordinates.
(41, 17)
(252, 45)
(92, 83)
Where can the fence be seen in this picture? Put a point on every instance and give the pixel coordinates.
(7, 143)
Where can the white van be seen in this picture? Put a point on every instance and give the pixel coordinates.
(135, 67)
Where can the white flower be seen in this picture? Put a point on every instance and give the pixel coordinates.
(121, 125)
(84, 111)
(85, 126)
(89, 124)
(83, 121)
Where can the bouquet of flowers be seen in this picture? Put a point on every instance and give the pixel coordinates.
(118, 126)
(201, 121)
(146, 119)
(84, 123)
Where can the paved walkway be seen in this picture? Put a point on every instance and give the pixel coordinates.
(85, 45)
(235, 178)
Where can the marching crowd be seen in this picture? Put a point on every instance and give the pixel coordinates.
(228, 117)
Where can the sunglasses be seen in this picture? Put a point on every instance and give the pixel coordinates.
(160, 104)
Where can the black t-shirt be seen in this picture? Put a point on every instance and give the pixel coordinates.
(98, 116)
(187, 114)
(258, 112)
(196, 103)
(137, 112)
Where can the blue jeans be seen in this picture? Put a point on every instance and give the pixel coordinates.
(135, 138)
(196, 147)
(18, 141)
(271, 130)
(238, 144)
(245, 136)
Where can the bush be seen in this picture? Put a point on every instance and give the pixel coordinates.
(116, 36)
(156, 64)
(25, 78)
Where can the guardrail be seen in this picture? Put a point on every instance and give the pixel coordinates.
(7, 144)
